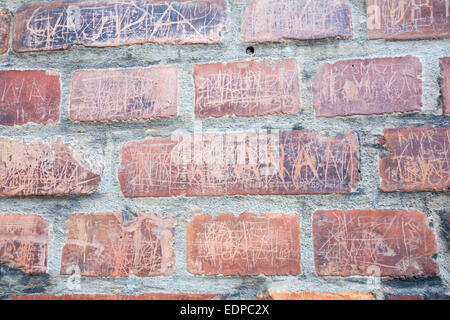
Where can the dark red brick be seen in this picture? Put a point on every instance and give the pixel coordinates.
(247, 88)
(145, 296)
(29, 96)
(373, 243)
(124, 94)
(61, 24)
(5, 27)
(277, 20)
(368, 86)
(415, 159)
(252, 163)
(315, 295)
(24, 242)
(409, 19)
(103, 245)
(244, 245)
(43, 168)
(445, 84)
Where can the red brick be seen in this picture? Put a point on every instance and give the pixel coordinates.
(103, 245)
(368, 86)
(124, 94)
(252, 163)
(244, 245)
(418, 19)
(5, 27)
(43, 168)
(314, 295)
(145, 296)
(247, 88)
(24, 242)
(61, 24)
(445, 73)
(277, 20)
(416, 159)
(373, 243)
(29, 96)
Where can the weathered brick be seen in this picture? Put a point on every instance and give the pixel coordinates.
(103, 245)
(409, 19)
(62, 24)
(416, 159)
(368, 86)
(24, 242)
(247, 88)
(5, 27)
(145, 296)
(124, 94)
(29, 96)
(277, 20)
(315, 295)
(244, 245)
(44, 168)
(445, 83)
(373, 243)
(252, 163)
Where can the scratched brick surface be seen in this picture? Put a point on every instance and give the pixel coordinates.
(103, 245)
(445, 83)
(247, 88)
(24, 242)
(408, 19)
(415, 159)
(42, 168)
(29, 96)
(277, 20)
(246, 163)
(373, 243)
(368, 86)
(5, 27)
(315, 295)
(244, 245)
(124, 94)
(145, 296)
(60, 25)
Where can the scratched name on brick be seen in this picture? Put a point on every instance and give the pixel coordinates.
(60, 25)
(29, 96)
(244, 245)
(43, 168)
(24, 242)
(241, 163)
(103, 245)
(359, 242)
(124, 94)
(415, 159)
(247, 88)
(445, 83)
(408, 19)
(275, 20)
(5, 27)
(368, 86)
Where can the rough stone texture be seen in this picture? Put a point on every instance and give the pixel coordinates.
(373, 243)
(445, 84)
(103, 245)
(415, 159)
(244, 245)
(5, 27)
(308, 295)
(394, 19)
(60, 25)
(244, 163)
(368, 86)
(247, 88)
(145, 296)
(29, 96)
(124, 94)
(24, 242)
(276, 20)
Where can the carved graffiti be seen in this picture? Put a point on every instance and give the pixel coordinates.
(246, 88)
(445, 84)
(5, 26)
(371, 86)
(60, 25)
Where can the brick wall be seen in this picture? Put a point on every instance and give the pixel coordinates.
(224, 149)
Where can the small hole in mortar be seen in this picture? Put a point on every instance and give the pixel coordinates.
(250, 51)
